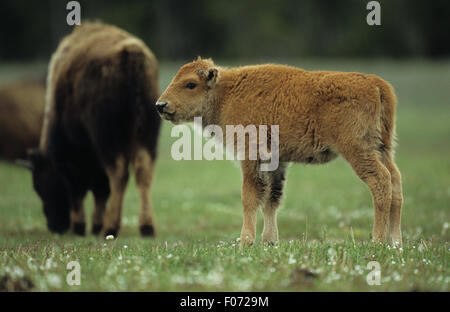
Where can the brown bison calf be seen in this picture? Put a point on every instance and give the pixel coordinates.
(320, 115)
(21, 114)
(100, 116)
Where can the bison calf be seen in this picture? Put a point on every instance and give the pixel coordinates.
(99, 117)
(320, 115)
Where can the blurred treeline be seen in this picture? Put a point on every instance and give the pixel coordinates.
(31, 30)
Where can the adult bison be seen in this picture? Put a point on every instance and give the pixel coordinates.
(320, 115)
(101, 88)
(21, 114)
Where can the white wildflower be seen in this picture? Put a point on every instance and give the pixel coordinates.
(54, 280)
(291, 260)
(397, 277)
(32, 264)
(445, 227)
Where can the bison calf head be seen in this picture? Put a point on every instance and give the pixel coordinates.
(53, 190)
(191, 92)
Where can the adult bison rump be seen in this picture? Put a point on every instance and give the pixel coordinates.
(21, 112)
(101, 88)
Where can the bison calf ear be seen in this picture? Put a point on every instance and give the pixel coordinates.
(212, 77)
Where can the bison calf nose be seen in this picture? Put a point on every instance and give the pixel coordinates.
(160, 106)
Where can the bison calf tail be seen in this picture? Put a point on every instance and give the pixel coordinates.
(388, 105)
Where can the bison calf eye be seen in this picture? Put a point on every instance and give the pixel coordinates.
(191, 85)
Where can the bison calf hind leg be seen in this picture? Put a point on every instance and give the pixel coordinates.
(143, 171)
(395, 233)
(370, 169)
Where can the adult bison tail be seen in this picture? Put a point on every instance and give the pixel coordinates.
(141, 68)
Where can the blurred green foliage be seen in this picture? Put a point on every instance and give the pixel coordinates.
(238, 29)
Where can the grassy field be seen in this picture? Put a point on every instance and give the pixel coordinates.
(325, 221)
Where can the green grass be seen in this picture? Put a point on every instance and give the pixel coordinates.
(325, 220)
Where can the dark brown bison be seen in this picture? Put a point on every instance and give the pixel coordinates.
(100, 116)
(21, 113)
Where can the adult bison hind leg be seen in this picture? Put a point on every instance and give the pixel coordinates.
(98, 214)
(143, 171)
(77, 217)
(101, 194)
(118, 178)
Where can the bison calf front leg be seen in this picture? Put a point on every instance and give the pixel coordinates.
(252, 193)
(272, 202)
(118, 178)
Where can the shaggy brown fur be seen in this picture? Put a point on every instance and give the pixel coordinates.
(21, 114)
(99, 118)
(321, 114)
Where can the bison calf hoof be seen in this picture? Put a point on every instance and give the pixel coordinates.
(396, 242)
(147, 230)
(270, 242)
(97, 228)
(79, 228)
(270, 238)
(246, 241)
